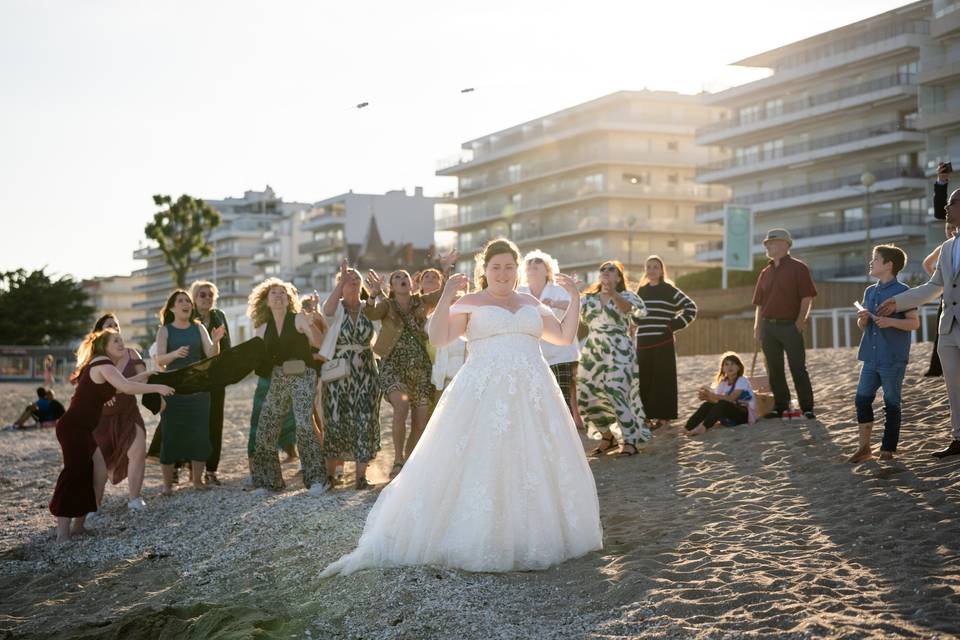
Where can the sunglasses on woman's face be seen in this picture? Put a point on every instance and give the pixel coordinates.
(608, 268)
(535, 261)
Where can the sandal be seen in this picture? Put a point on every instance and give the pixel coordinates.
(395, 471)
(623, 453)
(362, 484)
(596, 451)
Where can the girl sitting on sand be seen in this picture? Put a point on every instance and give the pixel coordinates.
(730, 402)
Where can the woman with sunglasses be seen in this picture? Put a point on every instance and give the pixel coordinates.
(607, 390)
(537, 279)
(205, 295)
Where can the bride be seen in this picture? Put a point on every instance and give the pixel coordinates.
(499, 480)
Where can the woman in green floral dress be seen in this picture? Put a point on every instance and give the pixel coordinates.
(351, 403)
(607, 391)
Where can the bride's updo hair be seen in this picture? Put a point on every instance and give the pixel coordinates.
(493, 248)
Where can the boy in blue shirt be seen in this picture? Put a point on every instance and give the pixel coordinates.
(884, 351)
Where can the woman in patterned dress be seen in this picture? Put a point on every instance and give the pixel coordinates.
(606, 388)
(288, 334)
(405, 371)
(351, 403)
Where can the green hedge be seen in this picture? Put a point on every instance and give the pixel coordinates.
(713, 278)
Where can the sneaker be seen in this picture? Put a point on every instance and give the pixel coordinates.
(318, 488)
(772, 415)
(210, 477)
(809, 415)
(137, 504)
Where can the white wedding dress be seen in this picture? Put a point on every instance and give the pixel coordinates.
(499, 480)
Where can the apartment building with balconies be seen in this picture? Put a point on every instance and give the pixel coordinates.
(940, 87)
(612, 178)
(279, 254)
(340, 227)
(837, 105)
(238, 238)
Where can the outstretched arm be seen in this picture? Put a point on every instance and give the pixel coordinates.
(444, 327)
(565, 332)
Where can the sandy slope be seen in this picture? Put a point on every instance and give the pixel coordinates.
(758, 530)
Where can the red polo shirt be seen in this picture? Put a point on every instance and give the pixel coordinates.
(780, 288)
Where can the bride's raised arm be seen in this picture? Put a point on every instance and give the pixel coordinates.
(563, 332)
(445, 324)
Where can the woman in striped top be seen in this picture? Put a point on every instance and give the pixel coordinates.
(668, 310)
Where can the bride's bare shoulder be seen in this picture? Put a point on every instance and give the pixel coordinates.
(528, 299)
(466, 302)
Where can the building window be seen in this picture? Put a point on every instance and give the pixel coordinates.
(673, 145)
(673, 178)
(514, 173)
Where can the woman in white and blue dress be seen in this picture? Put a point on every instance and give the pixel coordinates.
(499, 480)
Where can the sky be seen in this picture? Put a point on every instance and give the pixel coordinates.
(103, 104)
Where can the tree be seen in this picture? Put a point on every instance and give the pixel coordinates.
(180, 232)
(36, 309)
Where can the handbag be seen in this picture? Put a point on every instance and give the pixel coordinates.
(293, 367)
(334, 369)
(761, 389)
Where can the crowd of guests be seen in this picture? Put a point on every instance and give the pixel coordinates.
(328, 364)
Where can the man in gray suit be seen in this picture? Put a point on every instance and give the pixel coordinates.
(944, 280)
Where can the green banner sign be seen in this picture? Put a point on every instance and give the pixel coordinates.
(737, 238)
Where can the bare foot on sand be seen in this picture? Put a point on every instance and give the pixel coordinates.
(886, 455)
(698, 430)
(862, 455)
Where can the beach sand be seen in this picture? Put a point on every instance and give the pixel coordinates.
(757, 530)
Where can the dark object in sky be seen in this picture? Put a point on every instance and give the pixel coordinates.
(467, 90)
(362, 105)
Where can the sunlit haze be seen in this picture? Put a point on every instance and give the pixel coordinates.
(103, 104)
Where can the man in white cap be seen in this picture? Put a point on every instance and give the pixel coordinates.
(783, 296)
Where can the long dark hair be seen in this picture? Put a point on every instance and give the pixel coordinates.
(166, 312)
(731, 356)
(621, 286)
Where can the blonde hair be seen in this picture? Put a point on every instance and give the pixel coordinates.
(196, 285)
(364, 294)
(553, 267)
(93, 346)
(663, 271)
(257, 308)
(493, 248)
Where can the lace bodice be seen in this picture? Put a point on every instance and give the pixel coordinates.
(487, 321)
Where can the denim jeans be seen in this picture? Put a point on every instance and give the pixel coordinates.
(890, 377)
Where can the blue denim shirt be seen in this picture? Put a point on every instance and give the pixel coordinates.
(884, 346)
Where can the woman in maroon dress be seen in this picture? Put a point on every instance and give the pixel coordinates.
(121, 434)
(97, 379)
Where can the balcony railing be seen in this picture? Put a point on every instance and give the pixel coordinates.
(802, 147)
(841, 271)
(568, 162)
(877, 221)
(536, 201)
(843, 45)
(852, 180)
(879, 84)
